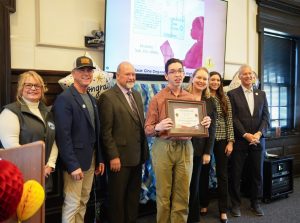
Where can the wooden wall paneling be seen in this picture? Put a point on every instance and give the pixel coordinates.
(54, 199)
(276, 150)
(286, 146)
(50, 78)
(273, 142)
(294, 151)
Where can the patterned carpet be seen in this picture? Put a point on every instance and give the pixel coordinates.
(285, 210)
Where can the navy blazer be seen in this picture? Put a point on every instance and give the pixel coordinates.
(243, 121)
(75, 136)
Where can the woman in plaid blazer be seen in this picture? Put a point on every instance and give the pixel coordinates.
(224, 139)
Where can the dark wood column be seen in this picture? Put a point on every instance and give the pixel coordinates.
(6, 7)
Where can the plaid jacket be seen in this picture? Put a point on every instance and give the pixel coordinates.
(224, 125)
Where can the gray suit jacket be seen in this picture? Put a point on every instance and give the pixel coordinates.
(122, 135)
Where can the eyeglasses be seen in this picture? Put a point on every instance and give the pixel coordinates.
(30, 85)
(180, 71)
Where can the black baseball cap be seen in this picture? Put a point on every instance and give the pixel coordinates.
(83, 61)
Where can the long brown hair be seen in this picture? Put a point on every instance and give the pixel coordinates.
(220, 94)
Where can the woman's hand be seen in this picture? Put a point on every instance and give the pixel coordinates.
(206, 122)
(205, 159)
(229, 148)
(47, 171)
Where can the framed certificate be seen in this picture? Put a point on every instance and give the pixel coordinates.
(187, 116)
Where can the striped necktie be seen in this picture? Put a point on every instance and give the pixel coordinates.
(133, 106)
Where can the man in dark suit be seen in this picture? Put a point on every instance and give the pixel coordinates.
(250, 121)
(125, 144)
(77, 137)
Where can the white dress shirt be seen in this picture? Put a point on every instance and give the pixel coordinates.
(250, 98)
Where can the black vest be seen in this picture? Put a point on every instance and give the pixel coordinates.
(32, 128)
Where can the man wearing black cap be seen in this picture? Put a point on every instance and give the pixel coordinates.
(77, 137)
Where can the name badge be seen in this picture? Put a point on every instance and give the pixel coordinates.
(51, 125)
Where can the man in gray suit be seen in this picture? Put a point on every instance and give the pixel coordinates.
(125, 144)
(250, 122)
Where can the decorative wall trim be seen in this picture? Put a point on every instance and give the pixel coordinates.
(39, 9)
(52, 45)
(234, 63)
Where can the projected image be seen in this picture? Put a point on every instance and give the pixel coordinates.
(150, 32)
(193, 57)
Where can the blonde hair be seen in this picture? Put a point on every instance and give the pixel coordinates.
(206, 92)
(21, 82)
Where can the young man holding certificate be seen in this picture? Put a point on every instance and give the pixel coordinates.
(172, 156)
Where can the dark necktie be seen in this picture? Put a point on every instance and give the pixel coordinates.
(133, 106)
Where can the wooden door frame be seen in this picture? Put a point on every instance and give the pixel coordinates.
(6, 7)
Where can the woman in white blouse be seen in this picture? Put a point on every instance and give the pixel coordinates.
(28, 120)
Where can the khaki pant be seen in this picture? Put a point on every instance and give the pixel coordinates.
(173, 164)
(77, 194)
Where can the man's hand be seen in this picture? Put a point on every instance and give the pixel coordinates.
(205, 159)
(252, 139)
(77, 174)
(257, 135)
(100, 169)
(165, 124)
(249, 137)
(115, 164)
(206, 122)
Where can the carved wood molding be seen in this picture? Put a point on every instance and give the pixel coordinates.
(9, 4)
(6, 7)
(288, 6)
(281, 15)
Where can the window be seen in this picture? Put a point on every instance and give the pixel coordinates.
(278, 80)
